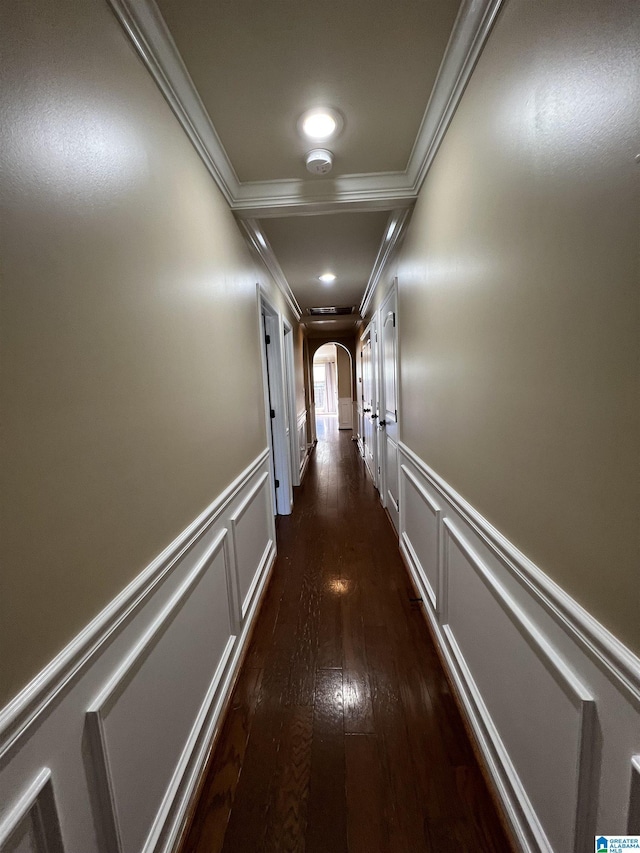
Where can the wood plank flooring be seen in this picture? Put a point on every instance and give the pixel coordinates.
(342, 734)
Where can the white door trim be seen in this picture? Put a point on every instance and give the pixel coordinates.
(370, 417)
(289, 376)
(275, 397)
(388, 434)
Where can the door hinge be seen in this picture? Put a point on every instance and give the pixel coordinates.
(395, 413)
(277, 484)
(267, 339)
(273, 413)
(394, 319)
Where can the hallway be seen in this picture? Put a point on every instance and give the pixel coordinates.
(342, 733)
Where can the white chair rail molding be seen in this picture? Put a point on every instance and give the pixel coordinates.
(102, 751)
(552, 697)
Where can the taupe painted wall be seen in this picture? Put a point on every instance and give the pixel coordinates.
(343, 363)
(519, 299)
(130, 361)
(298, 351)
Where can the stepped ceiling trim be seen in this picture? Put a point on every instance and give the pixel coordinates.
(394, 233)
(144, 25)
(260, 244)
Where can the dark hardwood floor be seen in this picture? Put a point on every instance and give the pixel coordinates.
(342, 734)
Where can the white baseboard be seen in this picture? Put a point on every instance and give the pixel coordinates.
(305, 463)
(552, 697)
(147, 678)
(304, 447)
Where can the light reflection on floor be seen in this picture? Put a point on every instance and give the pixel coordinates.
(339, 586)
(351, 695)
(326, 425)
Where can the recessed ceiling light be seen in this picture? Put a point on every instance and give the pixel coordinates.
(327, 277)
(320, 124)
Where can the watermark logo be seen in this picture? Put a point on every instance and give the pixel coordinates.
(616, 843)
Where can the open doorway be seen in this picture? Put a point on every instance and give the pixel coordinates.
(332, 388)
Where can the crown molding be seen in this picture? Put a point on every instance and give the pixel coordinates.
(469, 35)
(144, 25)
(394, 233)
(319, 208)
(261, 246)
(378, 190)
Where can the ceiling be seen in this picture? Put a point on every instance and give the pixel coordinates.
(345, 244)
(240, 73)
(259, 65)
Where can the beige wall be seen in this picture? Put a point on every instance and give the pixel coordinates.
(519, 299)
(343, 363)
(130, 361)
(298, 350)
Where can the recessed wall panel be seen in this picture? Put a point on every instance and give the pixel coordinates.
(145, 714)
(421, 520)
(31, 824)
(542, 713)
(633, 822)
(392, 472)
(251, 525)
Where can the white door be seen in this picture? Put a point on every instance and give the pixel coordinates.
(369, 438)
(275, 394)
(388, 421)
(292, 417)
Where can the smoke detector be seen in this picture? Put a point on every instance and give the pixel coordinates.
(319, 161)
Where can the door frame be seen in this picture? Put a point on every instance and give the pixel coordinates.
(371, 333)
(274, 379)
(389, 306)
(290, 387)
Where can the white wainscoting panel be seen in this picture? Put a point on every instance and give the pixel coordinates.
(32, 824)
(391, 479)
(166, 678)
(123, 718)
(303, 446)
(420, 533)
(345, 413)
(253, 539)
(526, 688)
(633, 822)
(552, 697)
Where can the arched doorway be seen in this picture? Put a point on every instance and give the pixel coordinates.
(332, 388)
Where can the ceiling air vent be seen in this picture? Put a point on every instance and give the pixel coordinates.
(329, 311)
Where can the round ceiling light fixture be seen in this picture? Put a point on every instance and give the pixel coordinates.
(320, 124)
(327, 277)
